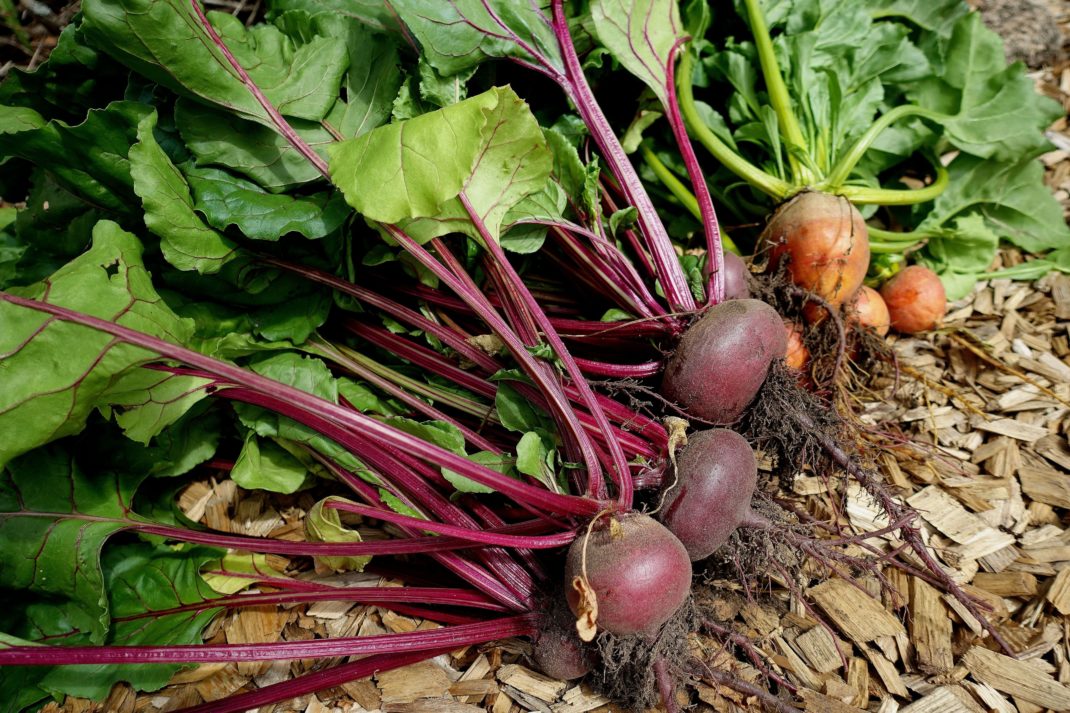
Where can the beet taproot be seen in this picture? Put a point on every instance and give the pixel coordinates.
(638, 571)
(824, 241)
(716, 475)
(723, 358)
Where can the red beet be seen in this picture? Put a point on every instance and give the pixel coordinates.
(735, 277)
(723, 358)
(638, 571)
(716, 475)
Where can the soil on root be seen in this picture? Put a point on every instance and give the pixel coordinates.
(627, 666)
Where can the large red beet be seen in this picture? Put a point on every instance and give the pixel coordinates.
(723, 358)
(716, 475)
(637, 569)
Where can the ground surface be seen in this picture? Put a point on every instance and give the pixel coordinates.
(975, 425)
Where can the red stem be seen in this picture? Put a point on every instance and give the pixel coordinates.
(673, 281)
(281, 125)
(452, 636)
(714, 248)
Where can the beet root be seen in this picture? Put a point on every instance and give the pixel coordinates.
(723, 358)
(716, 476)
(825, 241)
(559, 654)
(637, 570)
(916, 299)
(735, 278)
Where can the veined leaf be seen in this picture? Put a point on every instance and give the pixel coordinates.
(88, 159)
(641, 35)
(165, 41)
(1011, 197)
(264, 465)
(226, 200)
(218, 138)
(187, 241)
(400, 171)
(55, 373)
(53, 523)
(513, 164)
(995, 111)
(323, 524)
(460, 34)
(143, 583)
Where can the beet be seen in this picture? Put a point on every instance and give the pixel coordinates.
(637, 569)
(559, 653)
(867, 309)
(735, 277)
(723, 358)
(716, 475)
(825, 241)
(916, 299)
(797, 355)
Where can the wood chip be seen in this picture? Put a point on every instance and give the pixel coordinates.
(945, 699)
(1020, 679)
(818, 703)
(930, 628)
(534, 684)
(405, 685)
(1012, 429)
(1007, 584)
(1046, 485)
(819, 649)
(860, 617)
(1059, 592)
(976, 537)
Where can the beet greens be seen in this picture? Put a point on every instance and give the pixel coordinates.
(351, 259)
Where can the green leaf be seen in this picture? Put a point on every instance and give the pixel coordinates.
(399, 171)
(179, 448)
(323, 524)
(165, 41)
(236, 571)
(495, 461)
(641, 35)
(49, 548)
(88, 159)
(443, 91)
(143, 582)
(218, 138)
(517, 412)
(145, 401)
(509, 175)
(460, 34)
(55, 373)
(995, 111)
(373, 13)
(937, 16)
(442, 434)
(186, 240)
(227, 200)
(1011, 197)
(535, 458)
(363, 398)
(264, 465)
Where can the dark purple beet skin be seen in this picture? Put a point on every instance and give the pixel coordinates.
(735, 277)
(723, 358)
(559, 654)
(717, 473)
(640, 577)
